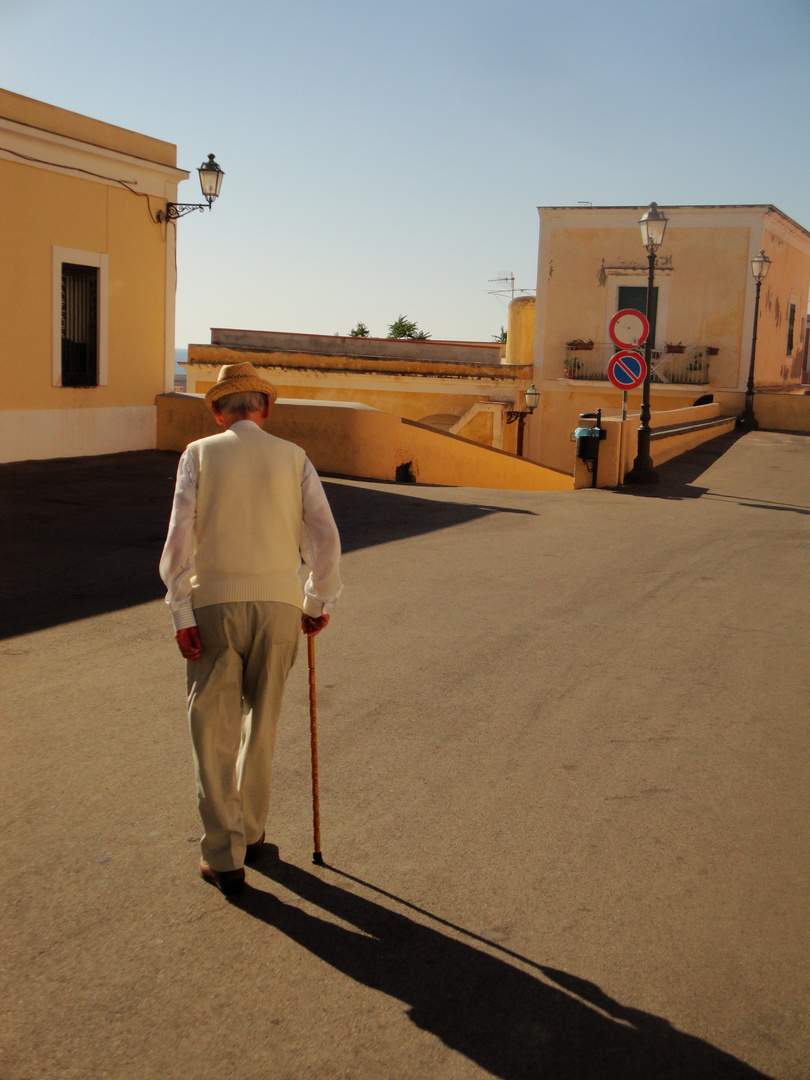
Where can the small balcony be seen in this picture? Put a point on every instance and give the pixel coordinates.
(688, 364)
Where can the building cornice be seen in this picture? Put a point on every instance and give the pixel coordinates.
(731, 214)
(787, 229)
(62, 154)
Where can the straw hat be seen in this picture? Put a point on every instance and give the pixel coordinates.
(239, 379)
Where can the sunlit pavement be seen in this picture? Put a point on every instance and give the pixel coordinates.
(564, 774)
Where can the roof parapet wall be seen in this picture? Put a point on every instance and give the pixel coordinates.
(342, 361)
(427, 351)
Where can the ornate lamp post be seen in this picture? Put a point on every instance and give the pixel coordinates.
(653, 225)
(532, 399)
(210, 182)
(760, 265)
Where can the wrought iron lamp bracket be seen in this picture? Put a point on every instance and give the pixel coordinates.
(178, 210)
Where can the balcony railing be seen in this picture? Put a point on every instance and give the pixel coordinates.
(690, 366)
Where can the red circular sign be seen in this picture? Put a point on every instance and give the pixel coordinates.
(627, 370)
(628, 327)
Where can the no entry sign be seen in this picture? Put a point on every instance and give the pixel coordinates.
(627, 370)
(628, 327)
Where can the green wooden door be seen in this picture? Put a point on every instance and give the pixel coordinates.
(635, 298)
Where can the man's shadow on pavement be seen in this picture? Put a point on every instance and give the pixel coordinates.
(512, 1023)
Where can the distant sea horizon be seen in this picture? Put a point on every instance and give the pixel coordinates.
(180, 356)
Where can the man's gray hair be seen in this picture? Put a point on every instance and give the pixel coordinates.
(247, 402)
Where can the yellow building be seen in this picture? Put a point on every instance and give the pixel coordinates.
(464, 388)
(591, 263)
(87, 282)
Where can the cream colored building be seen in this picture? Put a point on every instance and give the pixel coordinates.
(88, 282)
(591, 263)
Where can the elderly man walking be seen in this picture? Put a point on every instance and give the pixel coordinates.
(248, 509)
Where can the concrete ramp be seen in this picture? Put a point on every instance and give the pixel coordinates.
(355, 440)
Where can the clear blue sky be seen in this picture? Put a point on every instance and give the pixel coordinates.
(385, 157)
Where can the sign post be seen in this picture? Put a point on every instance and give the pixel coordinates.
(627, 369)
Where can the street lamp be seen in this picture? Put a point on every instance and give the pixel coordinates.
(760, 265)
(653, 225)
(532, 400)
(210, 183)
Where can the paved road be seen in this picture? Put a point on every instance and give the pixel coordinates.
(564, 755)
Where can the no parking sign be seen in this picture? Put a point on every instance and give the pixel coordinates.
(627, 370)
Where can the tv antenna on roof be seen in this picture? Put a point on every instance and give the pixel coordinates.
(505, 282)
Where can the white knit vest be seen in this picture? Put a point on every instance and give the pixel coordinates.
(248, 523)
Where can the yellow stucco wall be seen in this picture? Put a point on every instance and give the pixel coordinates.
(413, 406)
(774, 412)
(520, 331)
(52, 209)
(400, 403)
(706, 291)
(575, 304)
(788, 281)
(478, 429)
(707, 294)
(560, 410)
(353, 440)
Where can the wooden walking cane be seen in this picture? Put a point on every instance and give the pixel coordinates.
(313, 738)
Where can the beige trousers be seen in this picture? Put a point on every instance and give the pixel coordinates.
(234, 699)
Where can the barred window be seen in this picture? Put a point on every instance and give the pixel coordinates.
(79, 325)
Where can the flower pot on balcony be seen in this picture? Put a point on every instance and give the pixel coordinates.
(578, 345)
(676, 348)
(712, 350)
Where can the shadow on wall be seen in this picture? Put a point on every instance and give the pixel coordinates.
(83, 536)
(516, 1024)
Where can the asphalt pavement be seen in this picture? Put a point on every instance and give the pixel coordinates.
(564, 773)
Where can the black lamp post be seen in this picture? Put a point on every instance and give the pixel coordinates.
(760, 265)
(210, 182)
(532, 399)
(653, 225)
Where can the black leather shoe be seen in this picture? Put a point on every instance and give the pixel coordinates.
(254, 850)
(229, 882)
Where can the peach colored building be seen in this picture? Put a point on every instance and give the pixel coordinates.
(87, 282)
(591, 263)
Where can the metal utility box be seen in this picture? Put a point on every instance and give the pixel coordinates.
(588, 438)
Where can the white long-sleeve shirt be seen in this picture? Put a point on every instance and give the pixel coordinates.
(320, 544)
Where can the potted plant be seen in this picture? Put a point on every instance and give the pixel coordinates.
(579, 344)
(571, 366)
(675, 347)
(712, 350)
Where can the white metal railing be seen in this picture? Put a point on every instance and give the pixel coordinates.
(691, 366)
